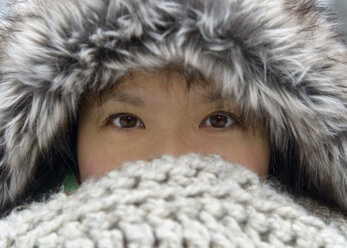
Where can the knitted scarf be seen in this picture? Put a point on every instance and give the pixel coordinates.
(190, 201)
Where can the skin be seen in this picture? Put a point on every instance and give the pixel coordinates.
(165, 119)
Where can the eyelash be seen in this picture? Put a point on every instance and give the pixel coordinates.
(228, 113)
(110, 119)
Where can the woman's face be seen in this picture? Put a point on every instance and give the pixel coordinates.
(152, 114)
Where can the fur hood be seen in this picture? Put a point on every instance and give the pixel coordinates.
(281, 60)
(189, 201)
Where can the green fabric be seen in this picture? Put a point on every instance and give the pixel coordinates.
(70, 183)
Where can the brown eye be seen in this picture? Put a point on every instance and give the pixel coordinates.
(126, 121)
(219, 120)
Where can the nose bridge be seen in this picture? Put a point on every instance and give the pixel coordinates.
(173, 143)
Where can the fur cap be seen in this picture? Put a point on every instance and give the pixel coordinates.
(279, 59)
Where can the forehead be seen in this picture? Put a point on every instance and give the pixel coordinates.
(137, 86)
(136, 89)
(166, 79)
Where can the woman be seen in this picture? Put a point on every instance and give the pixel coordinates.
(75, 76)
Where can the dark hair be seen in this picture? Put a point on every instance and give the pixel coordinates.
(59, 158)
(285, 175)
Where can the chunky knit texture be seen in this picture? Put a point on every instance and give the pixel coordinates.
(190, 201)
(280, 60)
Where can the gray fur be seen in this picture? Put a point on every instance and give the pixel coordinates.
(280, 59)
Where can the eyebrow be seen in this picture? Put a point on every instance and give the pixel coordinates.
(215, 98)
(125, 98)
(210, 97)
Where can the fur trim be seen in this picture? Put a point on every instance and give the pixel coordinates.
(279, 59)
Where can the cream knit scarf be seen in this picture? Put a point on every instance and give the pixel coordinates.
(190, 201)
